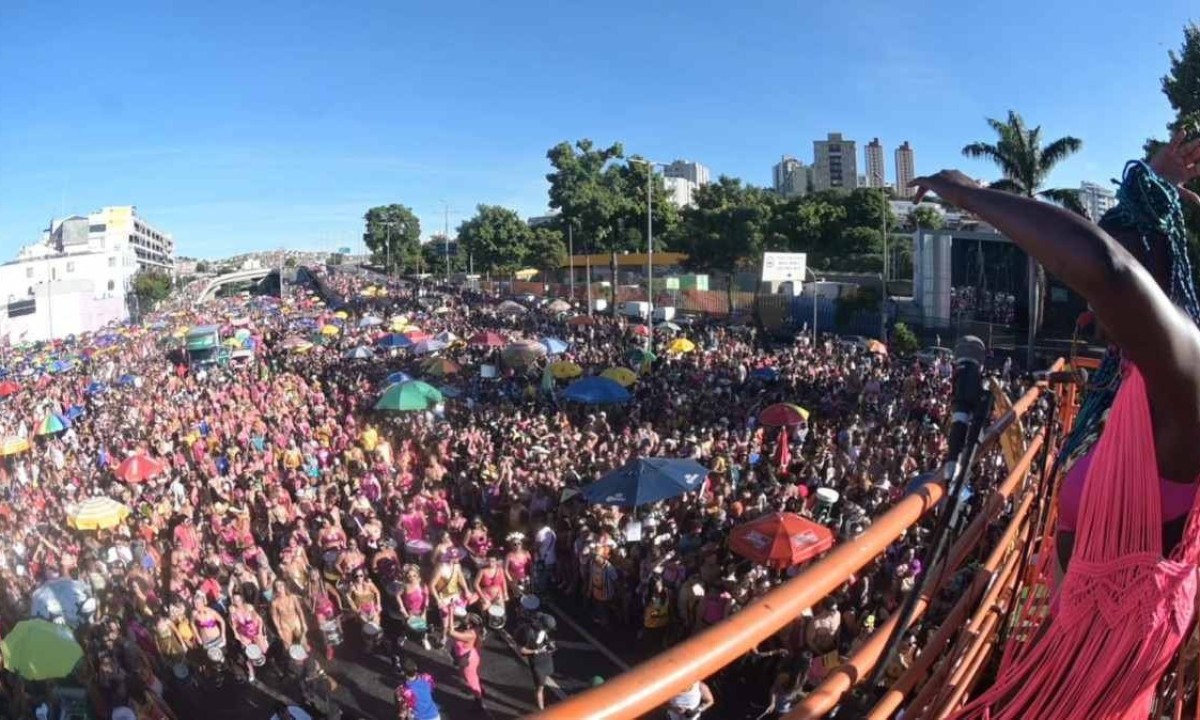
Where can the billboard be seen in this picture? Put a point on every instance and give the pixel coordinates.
(781, 267)
(344, 250)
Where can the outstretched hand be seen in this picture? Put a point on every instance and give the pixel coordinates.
(1178, 162)
(950, 185)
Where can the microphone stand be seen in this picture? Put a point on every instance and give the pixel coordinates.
(948, 521)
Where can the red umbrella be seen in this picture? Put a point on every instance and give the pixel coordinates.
(8, 387)
(488, 339)
(780, 539)
(782, 414)
(138, 468)
(640, 330)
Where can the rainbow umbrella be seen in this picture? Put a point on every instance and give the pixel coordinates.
(51, 424)
(782, 414)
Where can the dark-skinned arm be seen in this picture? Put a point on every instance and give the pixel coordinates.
(1135, 313)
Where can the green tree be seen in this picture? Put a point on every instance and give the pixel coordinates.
(151, 288)
(434, 255)
(1026, 164)
(866, 207)
(497, 238)
(810, 224)
(725, 229)
(925, 217)
(289, 262)
(546, 250)
(904, 341)
(393, 235)
(1181, 85)
(860, 241)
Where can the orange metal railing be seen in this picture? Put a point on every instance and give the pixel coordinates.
(657, 680)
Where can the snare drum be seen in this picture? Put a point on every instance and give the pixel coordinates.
(298, 654)
(255, 656)
(371, 630)
(215, 649)
(332, 631)
(496, 617)
(180, 671)
(417, 625)
(416, 550)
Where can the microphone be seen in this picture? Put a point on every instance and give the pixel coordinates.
(1063, 377)
(967, 381)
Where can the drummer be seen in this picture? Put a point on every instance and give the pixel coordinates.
(412, 601)
(491, 583)
(325, 605)
(364, 598)
(518, 563)
(287, 615)
(207, 624)
(250, 631)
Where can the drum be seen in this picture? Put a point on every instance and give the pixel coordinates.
(826, 499)
(332, 630)
(255, 656)
(371, 630)
(496, 616)
(215, 649)
(417, 550)
(298, 654)
(180, 671)
(417, 625)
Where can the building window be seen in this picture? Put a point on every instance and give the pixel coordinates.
(97, 228)
(112, 262)
(70, 266)
(111, 285)
(28, 272)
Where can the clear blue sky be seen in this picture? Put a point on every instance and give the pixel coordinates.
(253, 125)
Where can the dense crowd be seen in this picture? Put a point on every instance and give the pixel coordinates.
(284, 514)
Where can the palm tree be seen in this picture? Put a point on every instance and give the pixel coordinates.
(1026, 164)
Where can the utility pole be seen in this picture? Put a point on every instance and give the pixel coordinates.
(884, 275)
(571, 256)
(446, 237)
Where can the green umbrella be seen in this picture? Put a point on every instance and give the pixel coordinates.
(411, 395)
(40, 650)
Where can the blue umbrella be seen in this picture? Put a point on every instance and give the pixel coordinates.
(61, 366)
(646, 480)
(769, 374)
(554, 346)
(397, 377)
(426, 347)
(126, 380)
(394, 341)
(359, 353)
(95, 388)
(369, 321)
(596, 390)
(74, 412)
(450, 392)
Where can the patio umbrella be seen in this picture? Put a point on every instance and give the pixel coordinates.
(429, 346)
(640, 356)
(63, 598)
(564, 370)
(780, 540)
(579, 320)
(559, 306)
(394, 342)
(94, 388)
(767, 373)
(369, 321)
(640, 330)
(669, 326)
(622, 376)
(681, 345)
(596, 391)
(440, 367)
(396, 377)
(646, 480)
(13, 445)
(128, 380)
(446, 336)
(40, 650)
(416, 334)
(522, 353)
(74, 412)
(8, 387)
(137, 468)
(51, 424)
(554, 346)
(508, 307)
(783, 414)
(330, 330)
(487, 339)
(341, 314)
(97, 513)
(409, 396)
(60, 366)
(359, 353)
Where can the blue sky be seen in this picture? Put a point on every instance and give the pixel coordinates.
(256, 125)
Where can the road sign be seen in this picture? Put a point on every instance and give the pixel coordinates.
(781, 267)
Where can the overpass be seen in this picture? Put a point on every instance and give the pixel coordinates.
(234, 277)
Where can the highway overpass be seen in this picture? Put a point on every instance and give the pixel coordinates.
(234, 277)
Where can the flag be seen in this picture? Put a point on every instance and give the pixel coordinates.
(783, 453)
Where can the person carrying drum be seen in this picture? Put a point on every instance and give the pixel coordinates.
(537, 647)
(287, 615)
(411, 599)
(251, 632)
(491, 585)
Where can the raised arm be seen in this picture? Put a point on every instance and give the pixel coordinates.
(1133, 310)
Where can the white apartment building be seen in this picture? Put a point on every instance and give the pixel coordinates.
(905, 170)
(693, 172)
(1096, 199)
(873, 154)
(790, 177)
(835, 163)
(680, 190)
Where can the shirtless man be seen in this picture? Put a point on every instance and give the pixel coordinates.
(288, 615)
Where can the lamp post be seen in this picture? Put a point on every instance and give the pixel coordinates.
(884, 275)
(816, 285)
(650, 165)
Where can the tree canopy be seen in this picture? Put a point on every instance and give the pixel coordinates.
(497, 238)
(1025, 162)
(393, 235)
(151, 287)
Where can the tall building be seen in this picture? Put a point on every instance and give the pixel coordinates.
(693, 172)
(790, 177)
(835, 163)
(905, 170)
(680, 190)
(876, 176)
(1096, 199)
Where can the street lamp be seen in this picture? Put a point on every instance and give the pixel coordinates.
(884, 275)
(816, 284)
(650, 165)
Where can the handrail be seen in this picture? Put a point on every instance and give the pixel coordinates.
(660, 678)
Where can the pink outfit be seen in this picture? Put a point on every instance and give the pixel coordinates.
(1123, 608)
(1177, 497)
(470, 673)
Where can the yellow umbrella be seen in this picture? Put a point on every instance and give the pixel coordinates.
(98, 513)
(330, 330)
(681, 345)
(370, 291)
(564, 370)
(341, 314)
(302, 347)
(13, 445)
(622, 376)
(179, 332)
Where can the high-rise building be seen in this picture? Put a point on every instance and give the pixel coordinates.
(905, 170)
(1096, 199)
(680, 190)
(693, 172)
(873, 153)
(835, 163)
(790, 177)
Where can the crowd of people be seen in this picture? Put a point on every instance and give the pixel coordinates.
(284, 521)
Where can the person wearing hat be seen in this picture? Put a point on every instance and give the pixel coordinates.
(537, 647)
